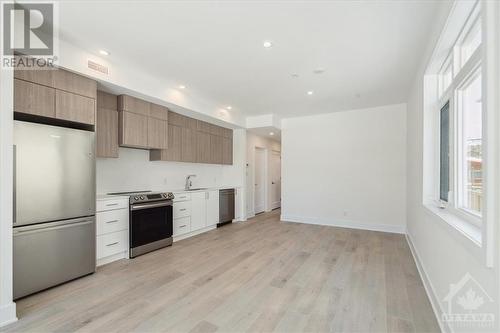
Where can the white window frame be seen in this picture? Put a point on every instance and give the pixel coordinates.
(468, 223)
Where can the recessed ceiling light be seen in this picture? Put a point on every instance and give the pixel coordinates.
(182, 86)
(310, 92)
(267, 44)
(271, 133)
(104, 52)
(229, 107)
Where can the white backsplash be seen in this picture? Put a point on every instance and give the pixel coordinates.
(133, 171)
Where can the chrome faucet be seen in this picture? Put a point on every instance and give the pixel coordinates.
(189, 183)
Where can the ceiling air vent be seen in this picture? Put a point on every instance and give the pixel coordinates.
(97, 67)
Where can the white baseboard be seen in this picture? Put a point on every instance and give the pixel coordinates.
(429, 289)
(8, 314)
(345, 224)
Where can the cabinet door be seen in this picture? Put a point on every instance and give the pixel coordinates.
(212, 207)
(173, 152)
(158, 111)
(188, 148)
(202, 147)
(134, 105)
(227, 151)
(34, 99)
(157, 133)
(43, 77)
(75, 83)
(133, 130)
(75, 108)
(215, 149)
(198, 210)
(107, 133)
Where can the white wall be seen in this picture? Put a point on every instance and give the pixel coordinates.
(270, 145)
(346, 168)
(444, 256)
(7, 307)
(133, 171)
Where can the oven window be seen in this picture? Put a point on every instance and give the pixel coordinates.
(149, 225)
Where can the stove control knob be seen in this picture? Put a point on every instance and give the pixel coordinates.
(164, 195)
(142, 197)
(136, 198)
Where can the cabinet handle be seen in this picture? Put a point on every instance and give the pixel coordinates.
(182, 226)
(112, 244)
(113, 221)
(182, 209)
(113, 204)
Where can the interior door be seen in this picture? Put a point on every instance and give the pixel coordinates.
(54, 173)
(276, 179)
(259, 178)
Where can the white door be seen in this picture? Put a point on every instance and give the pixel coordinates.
(259, 178)
(198, 210)
(212, 208)
(275, 179)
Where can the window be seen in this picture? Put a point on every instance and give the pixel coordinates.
(453, 146)
(444, 153)
(470, 161)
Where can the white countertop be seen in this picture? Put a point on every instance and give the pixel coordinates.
(213, 188)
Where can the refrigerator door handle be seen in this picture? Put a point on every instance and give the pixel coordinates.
(14, 172)
(51, 226)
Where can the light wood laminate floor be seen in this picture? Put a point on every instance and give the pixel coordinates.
(259, 276)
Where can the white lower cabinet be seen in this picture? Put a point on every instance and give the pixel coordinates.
(195, 211)
(112, 228)
(198, 210)
(212, 207)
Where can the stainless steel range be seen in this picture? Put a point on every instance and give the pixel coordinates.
(150, 221)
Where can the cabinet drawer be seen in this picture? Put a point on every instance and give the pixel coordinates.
(182, 209)
(103, 205)
(182, 197)
(112, 221)
(182, 225)
(112, 243)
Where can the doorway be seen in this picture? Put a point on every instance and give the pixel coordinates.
(260, 180)
(275, 169)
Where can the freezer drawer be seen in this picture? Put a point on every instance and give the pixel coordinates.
(48, 254)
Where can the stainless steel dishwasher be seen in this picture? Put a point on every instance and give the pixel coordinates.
(226, 206)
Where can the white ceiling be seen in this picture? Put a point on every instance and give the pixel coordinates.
(369, 49)
(266, 132)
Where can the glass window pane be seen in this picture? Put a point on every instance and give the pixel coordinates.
(471, 42)
(444, 153)
(471, 137)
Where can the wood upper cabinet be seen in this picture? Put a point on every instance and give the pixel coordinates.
(188, 145)
(106, 125)
(134, 105)
(76, 108)
(152, 121)
(74, 83)
(227, 151)
(43, 77)
(35, 99)
(203, 146)
(133, 130)
(173, 152)
(215, 149)
(58, 94)
(157, 133)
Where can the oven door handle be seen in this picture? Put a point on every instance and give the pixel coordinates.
(153, 205)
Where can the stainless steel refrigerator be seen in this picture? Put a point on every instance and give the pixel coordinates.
(54, 206)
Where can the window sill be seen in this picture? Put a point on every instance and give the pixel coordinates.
(467, 230)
